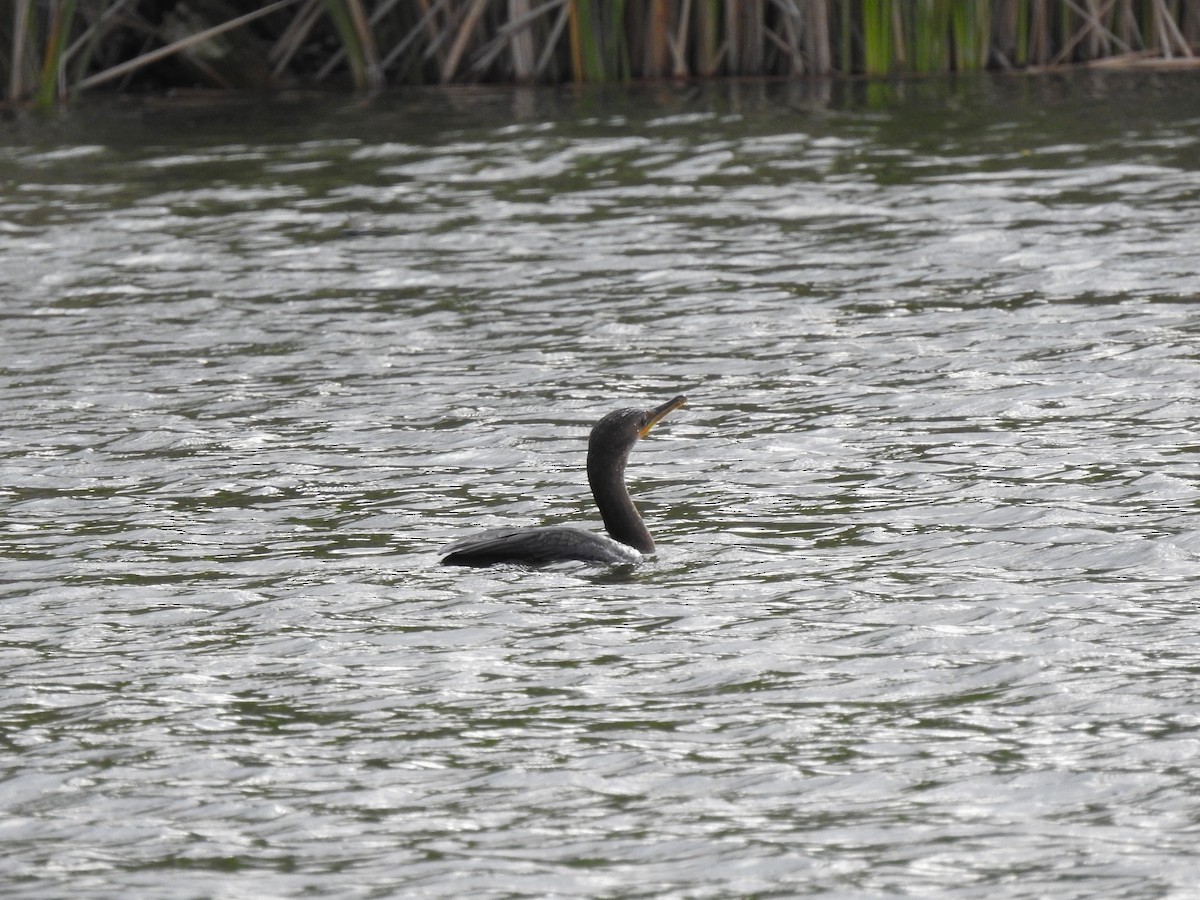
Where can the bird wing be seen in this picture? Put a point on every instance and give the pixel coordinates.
(540, 544)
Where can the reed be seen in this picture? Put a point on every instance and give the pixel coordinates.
(50, 49)
(358, 41)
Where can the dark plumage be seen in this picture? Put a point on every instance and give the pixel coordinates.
(628, 538)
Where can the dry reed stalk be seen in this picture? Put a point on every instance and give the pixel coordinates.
(192, 40)
(1092, 32)
(522, 49)
(1040, 43)
(652, 35)
(422, 26)
(817, 38)
(521, 26)
(291, 41)
(709, 50)
(899, 61)
(1127, 27)
(1171, 35)
(733, 38)
(786, 37)
(436, 21)
(553, 37)
(83, 48)
(467, 26)
(753, 36)
(17, 74)
(678, 42)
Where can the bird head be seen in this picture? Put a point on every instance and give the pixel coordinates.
(616, 433)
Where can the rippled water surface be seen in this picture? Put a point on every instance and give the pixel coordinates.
(923, 619)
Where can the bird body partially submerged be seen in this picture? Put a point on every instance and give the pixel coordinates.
(628, 539)
(537, 545)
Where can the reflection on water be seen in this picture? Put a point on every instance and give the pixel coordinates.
(921, 620)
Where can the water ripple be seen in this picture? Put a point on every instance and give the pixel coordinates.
(922, 616)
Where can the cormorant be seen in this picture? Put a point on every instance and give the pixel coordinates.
(627, 540)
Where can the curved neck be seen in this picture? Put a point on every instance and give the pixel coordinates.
(606, 475)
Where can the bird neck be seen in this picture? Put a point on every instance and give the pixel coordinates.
(621, 518)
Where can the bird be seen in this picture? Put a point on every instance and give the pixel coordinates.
(628, 539)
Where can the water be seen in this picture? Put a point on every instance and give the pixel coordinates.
(923, 620)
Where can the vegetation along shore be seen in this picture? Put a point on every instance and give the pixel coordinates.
(56, 50)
